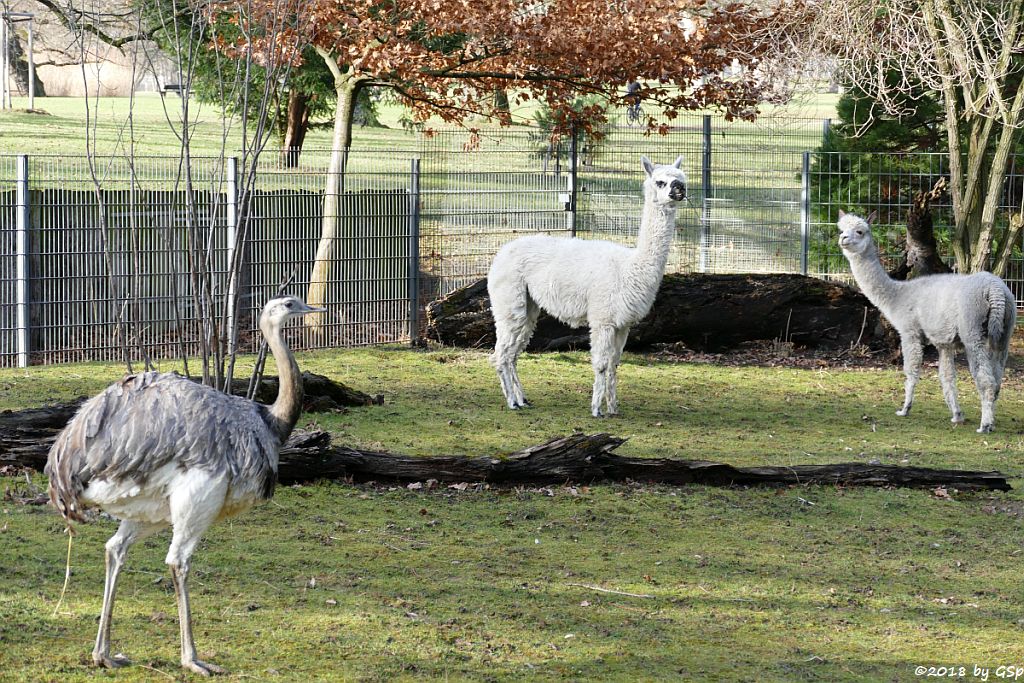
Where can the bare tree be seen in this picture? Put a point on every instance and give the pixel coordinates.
(970, 53)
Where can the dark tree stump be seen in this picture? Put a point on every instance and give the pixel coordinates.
(921, 256)
(704, 312)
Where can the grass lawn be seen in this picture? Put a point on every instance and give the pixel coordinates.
(339, 582)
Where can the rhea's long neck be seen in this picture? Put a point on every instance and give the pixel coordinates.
(284, 412)
(874, 282)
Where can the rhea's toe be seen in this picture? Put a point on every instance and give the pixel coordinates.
(203, 668)
(108, 662)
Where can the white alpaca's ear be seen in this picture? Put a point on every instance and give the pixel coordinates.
(872, 217)
(678, 163)
(648, 166)
(841, 213)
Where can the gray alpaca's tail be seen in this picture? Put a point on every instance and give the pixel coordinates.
(1002, 315)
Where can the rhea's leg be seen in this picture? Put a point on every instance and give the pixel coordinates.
(913, 354)
(194, 506)
(947, 378)
(116, 550)
(602, 352)
(611, 388)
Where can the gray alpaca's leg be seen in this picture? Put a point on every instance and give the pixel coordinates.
(116, 550)
(192, 512)
(913, 354)
(611, 388)
(947, 378)
(602, 352)
(981, 363)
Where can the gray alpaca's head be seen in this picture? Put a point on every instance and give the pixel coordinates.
(664, 184)
(855, 234)
(278, 311)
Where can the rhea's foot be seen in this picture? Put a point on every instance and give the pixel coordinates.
(108, 662)
(203, 668)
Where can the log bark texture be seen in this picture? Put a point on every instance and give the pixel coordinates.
(921, 256)
(704, 312)
(575, 459)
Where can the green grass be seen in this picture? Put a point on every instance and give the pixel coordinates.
(809, 584)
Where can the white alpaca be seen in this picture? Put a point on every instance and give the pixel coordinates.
(978, 310)
(605, 285)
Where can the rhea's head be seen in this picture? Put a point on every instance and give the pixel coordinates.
(278, 311)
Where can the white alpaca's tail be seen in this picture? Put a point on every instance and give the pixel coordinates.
(1002, 315)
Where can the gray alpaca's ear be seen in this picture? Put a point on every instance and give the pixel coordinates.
(678, 163)
(872, 217)
(648, 166)
(841, 213)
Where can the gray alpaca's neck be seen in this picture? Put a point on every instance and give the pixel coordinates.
(657, 227)
(284, 413)
(874, 282)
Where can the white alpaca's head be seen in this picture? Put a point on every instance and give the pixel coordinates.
(664, 185)
(855, 234)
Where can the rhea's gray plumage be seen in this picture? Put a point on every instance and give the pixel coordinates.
(158, 450)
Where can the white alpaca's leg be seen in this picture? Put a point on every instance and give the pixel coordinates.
(947, 378)
(913, 354)
(501, 360)
(513, 329)
(521, 342)
(602, 352)
(611, 387)
(981, 363)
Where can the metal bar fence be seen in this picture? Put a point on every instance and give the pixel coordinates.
(108, 257)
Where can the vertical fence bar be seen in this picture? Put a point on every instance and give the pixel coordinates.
(805, 210)
(31, 67)
(231, 244)
(705, 181)
(3, 60)
(573, 170)
(21, 260)
(414, 251)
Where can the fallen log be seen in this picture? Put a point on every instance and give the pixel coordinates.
(577, 459)
(704, 312)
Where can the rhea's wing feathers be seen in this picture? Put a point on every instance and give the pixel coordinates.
(140, 424)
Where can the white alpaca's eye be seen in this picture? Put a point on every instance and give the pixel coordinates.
(860, 232)
(660, 183)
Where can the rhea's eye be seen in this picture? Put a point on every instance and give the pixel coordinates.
(660, 183)
(290, 304)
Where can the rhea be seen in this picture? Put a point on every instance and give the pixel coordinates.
(156, 450)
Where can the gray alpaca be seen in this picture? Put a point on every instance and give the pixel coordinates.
(976, 310)
(157, 450)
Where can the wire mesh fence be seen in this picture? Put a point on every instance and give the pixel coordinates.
(109, 246)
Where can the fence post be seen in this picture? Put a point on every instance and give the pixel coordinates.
(231, 244)
(705, 181)
(805, 210)
(414, 252)
(573, 170)
(21, 273)
(826, 128)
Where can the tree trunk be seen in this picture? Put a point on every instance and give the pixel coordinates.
(922, 253)
(711, 312)
(296, 127)
(345, 85)
(576, 459)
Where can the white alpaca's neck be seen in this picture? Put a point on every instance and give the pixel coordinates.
(657, 227)
(873, 281)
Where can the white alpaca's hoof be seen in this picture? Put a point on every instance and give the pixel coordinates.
(985, 429)
(903, 412)
(957, 420)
